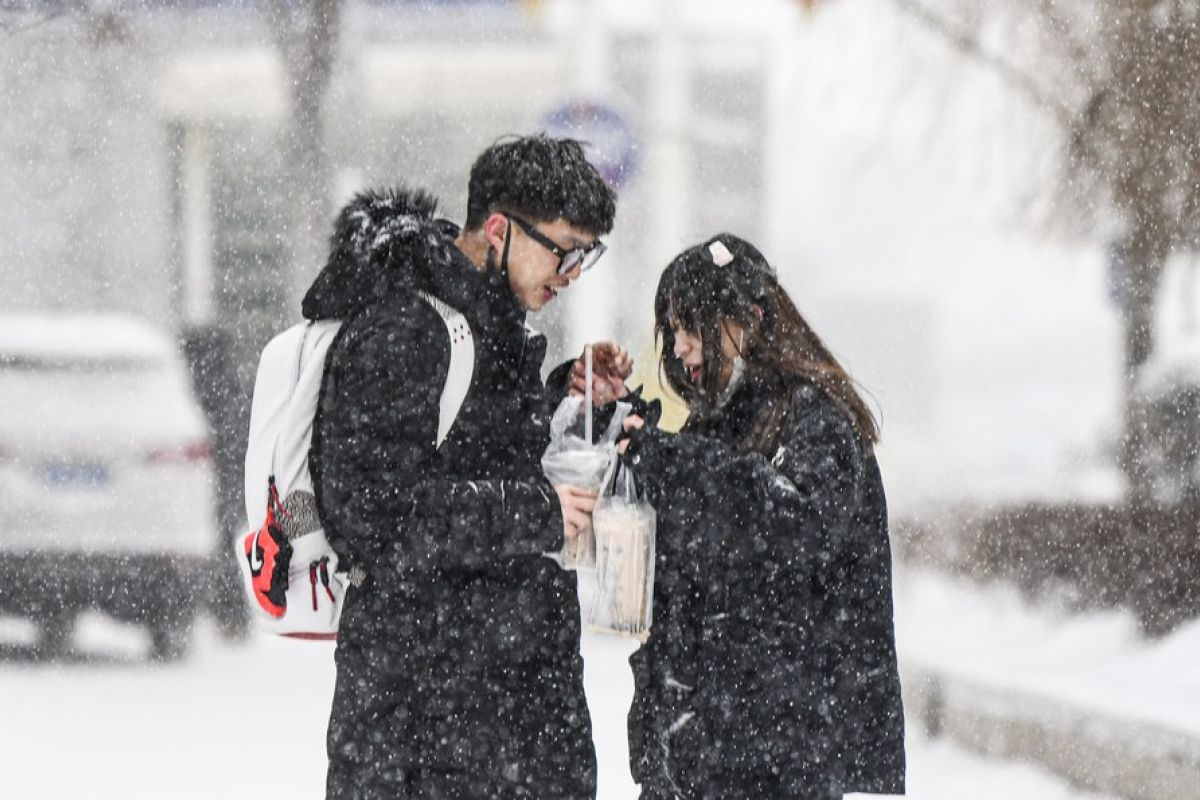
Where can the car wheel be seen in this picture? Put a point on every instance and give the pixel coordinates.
(169, 642)
(56, 633)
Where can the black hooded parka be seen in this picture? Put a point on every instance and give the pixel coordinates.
(770, 671)
(458, 665)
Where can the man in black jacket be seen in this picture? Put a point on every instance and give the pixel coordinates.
(458, 665)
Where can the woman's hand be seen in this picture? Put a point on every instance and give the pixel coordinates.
(577, 505)
(632, 423)
(611, 366)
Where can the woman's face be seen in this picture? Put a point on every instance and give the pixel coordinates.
(689, 348)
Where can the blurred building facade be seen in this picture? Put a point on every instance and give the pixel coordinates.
(140, 147)
(141, 154)
(142, 159)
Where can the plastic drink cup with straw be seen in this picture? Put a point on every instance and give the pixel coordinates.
(581, 551)
(578, 457)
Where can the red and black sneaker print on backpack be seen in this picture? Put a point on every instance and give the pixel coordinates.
(269, 553)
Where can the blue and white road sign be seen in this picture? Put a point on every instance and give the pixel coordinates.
(607, 137)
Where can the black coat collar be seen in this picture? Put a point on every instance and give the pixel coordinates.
(388, 244)
(483, 296)
(733, 422)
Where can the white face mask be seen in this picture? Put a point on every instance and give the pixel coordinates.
(737, 372)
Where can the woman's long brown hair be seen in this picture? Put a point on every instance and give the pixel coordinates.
(779, 347)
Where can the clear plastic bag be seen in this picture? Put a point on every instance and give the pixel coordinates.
(625, 527)
(572, 459)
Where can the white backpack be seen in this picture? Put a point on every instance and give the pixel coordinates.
(290, 571)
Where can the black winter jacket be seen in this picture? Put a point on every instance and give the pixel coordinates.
(458, 665)
(771, 666)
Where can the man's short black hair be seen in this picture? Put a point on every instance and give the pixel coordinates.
(543, 179)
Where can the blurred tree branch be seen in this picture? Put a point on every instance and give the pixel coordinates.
(14, 29)
(967, 42)
(306, 34)
(1122, 80)
(16, 20)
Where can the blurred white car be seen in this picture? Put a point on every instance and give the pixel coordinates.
(105, 477)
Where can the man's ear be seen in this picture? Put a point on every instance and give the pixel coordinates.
(495, 228)
(757, 309)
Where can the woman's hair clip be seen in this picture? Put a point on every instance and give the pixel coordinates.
(720, 253)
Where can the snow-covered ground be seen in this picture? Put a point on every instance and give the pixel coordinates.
(112, 725)
(995, 639)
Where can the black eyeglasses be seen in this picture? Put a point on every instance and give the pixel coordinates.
(583, 257)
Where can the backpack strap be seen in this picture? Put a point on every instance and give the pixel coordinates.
(308, 362)
(462, 364)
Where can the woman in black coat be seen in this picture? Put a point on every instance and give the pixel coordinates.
(770, 671)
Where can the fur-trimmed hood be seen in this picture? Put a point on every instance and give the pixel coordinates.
(384, 241)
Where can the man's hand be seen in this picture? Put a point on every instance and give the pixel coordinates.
(577, 505)
(611, 366)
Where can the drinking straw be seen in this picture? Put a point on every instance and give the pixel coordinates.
(587, 379)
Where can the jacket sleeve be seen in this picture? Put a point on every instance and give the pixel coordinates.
(556, 390)
(388, 506)
(809, 487)
(556, 381)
